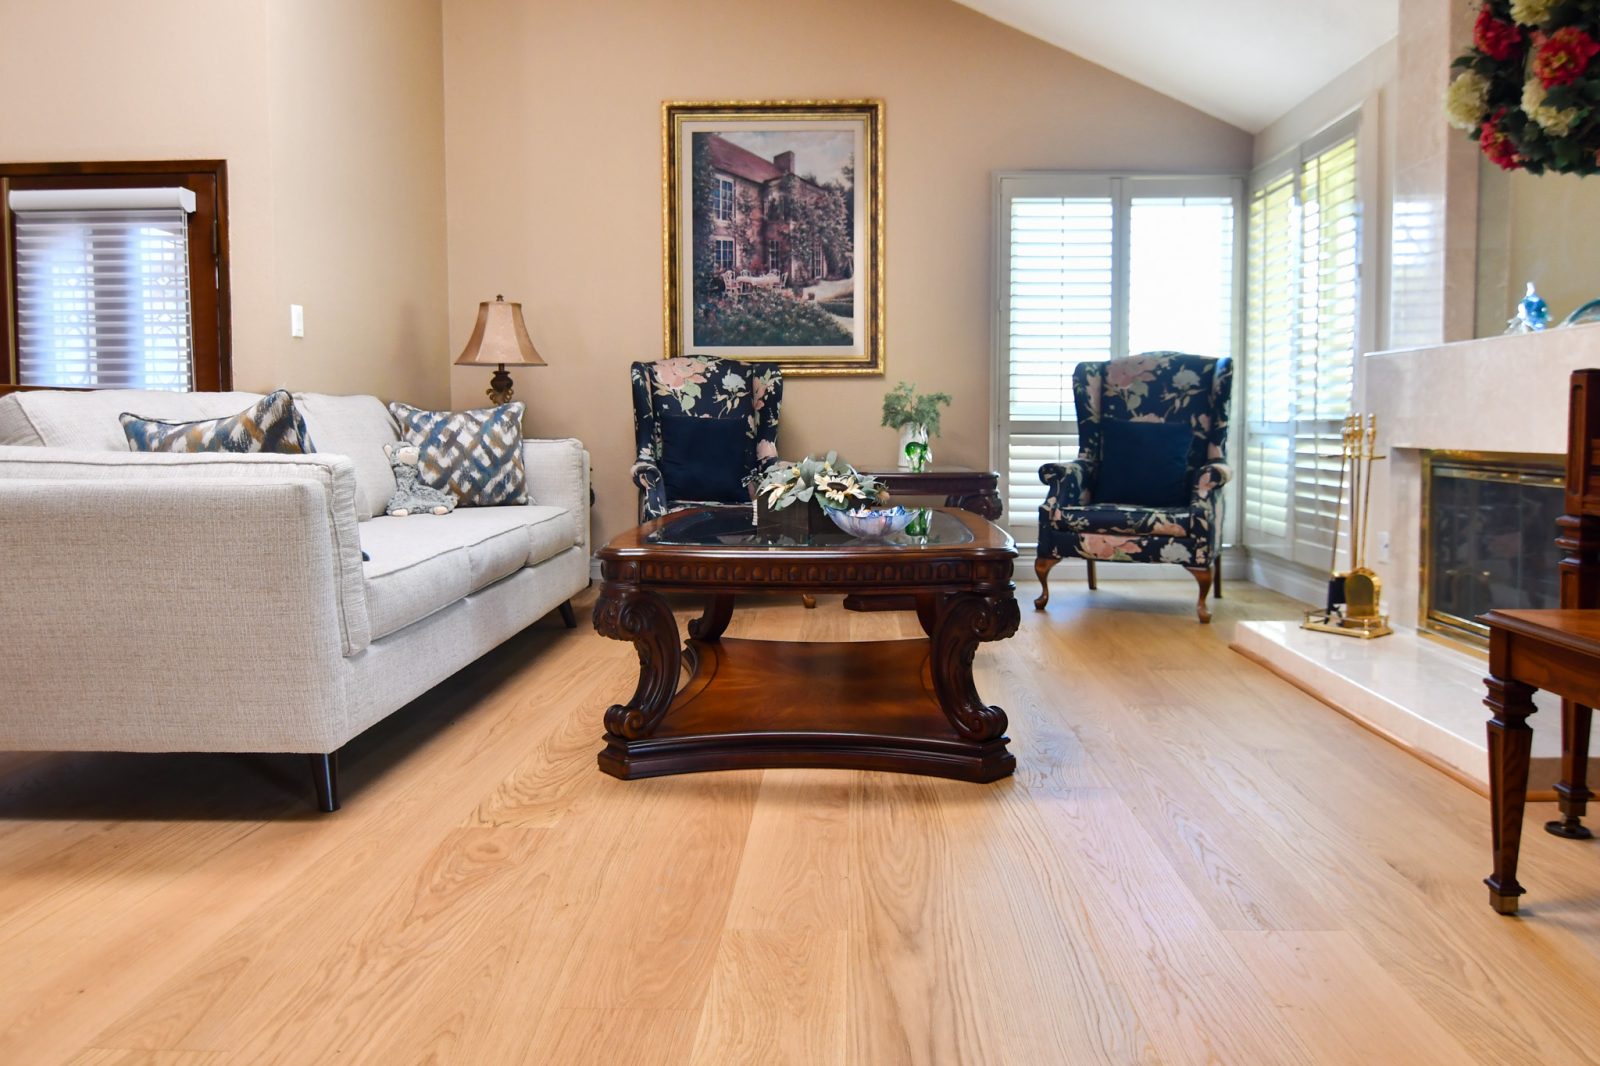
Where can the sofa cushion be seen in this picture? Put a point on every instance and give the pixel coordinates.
(357, 427)
(476, 455)
(423, 563)
(271, 424)
(90, 419)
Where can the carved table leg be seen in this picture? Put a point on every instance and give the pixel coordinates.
(1510, 742)
(1202, 576)
(632, 614)
(710, 626)
(967, 619)
(1573, 788)
(928, 611)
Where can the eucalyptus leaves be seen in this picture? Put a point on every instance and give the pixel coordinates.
(835, 485)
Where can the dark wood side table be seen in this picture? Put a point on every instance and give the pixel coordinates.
(977, 491)
(711, 703)
(1554, 650)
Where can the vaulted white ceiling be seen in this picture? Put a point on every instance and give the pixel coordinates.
(1244, 61)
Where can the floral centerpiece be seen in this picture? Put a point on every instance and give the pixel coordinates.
(828, 490)
(917, 419)
(1528, 90)
(834, 485)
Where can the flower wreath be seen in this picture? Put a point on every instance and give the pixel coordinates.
(1528, 90)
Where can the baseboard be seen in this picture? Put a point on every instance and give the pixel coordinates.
(1291, 579)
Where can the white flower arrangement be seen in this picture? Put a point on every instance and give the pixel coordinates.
(835, 485)
(1557, 122)
(1532, 12)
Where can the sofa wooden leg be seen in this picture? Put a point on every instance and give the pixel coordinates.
(1202, 576)
(325, 780)
(1042, 566)
(568, 616)
(1094, 579)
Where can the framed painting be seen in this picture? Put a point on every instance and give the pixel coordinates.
(773, 229)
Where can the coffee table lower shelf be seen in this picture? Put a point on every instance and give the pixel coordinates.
(858, 705)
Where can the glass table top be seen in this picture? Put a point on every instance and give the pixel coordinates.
(735, 527)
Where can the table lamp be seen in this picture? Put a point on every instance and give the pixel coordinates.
(500, 339)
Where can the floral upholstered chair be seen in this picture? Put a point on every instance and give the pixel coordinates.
(701, 387)
(1078, 522)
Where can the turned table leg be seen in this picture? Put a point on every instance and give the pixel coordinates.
(710, 625)
(1510, 743)
(1573, 788)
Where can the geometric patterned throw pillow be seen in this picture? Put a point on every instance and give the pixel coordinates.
(271, 424)
(477, 455)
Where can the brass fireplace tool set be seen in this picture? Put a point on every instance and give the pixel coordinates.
(1355, 597)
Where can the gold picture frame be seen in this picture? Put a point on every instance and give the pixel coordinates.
(772, 226)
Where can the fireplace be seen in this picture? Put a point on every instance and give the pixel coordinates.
(1488, 537)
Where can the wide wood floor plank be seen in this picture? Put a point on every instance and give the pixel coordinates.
(1194, 863)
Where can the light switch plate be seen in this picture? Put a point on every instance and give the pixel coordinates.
(1383, 546)
(297, 320)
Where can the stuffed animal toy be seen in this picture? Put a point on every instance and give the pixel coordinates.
(409, 497)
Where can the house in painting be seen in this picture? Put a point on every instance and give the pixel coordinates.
(754, 204)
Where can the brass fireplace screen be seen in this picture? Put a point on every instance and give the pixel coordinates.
(1488, 537)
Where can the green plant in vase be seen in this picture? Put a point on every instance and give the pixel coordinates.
(917, 418)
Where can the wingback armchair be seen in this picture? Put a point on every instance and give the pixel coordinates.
(701, 387)
(1078, 522)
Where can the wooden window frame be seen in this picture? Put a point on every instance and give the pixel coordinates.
(210, 299)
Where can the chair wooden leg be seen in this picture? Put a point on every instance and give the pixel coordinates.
(1042, 566)
(1202, 576)
(1216, 576)
(809, 601)
(1094, 580)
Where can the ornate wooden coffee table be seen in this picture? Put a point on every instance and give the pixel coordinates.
(714, 704)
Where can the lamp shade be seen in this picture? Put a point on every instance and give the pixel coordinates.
(500, 338)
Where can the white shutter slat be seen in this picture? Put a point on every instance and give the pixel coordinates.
(102, 298)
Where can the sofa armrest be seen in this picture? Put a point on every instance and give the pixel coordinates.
(1067, 481)
(183, 614)
(334, 475)
(558, 476)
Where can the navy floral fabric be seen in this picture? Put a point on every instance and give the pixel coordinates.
(1153, 387)
(703, 387)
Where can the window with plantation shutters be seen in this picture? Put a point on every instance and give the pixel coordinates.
(1091, 267)
(115, 277)
(1302, 321)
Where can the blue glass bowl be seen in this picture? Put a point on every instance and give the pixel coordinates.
(872, 524)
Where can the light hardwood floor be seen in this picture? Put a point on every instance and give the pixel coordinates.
(1195, 862)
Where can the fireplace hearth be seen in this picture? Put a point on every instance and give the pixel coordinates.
(1488, 537)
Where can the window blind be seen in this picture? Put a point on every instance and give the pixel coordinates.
(103, 296)
(1093, 267)
(1301, 325)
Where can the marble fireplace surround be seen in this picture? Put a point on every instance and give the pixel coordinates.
(1496, 394)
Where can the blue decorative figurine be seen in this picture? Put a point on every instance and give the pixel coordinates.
(1532, 314)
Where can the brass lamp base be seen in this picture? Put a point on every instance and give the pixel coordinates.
(499, 390)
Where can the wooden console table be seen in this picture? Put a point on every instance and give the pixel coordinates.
(1554, 650)
(977, 491)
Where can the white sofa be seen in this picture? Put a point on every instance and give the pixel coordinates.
(219, 602)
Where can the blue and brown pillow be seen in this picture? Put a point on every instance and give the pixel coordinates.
(271, 424)
(476, 455)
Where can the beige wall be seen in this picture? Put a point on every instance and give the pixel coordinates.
(330, 119)
(553, 148)
(1538, 228)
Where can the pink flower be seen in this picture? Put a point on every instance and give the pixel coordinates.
(1124, 372)
(1168, 529)
(674, 374)
(765, 449)
(1106, 546)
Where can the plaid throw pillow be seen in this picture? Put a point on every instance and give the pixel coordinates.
(271, 424)
(477, 455)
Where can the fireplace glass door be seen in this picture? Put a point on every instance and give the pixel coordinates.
(1489, 531)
